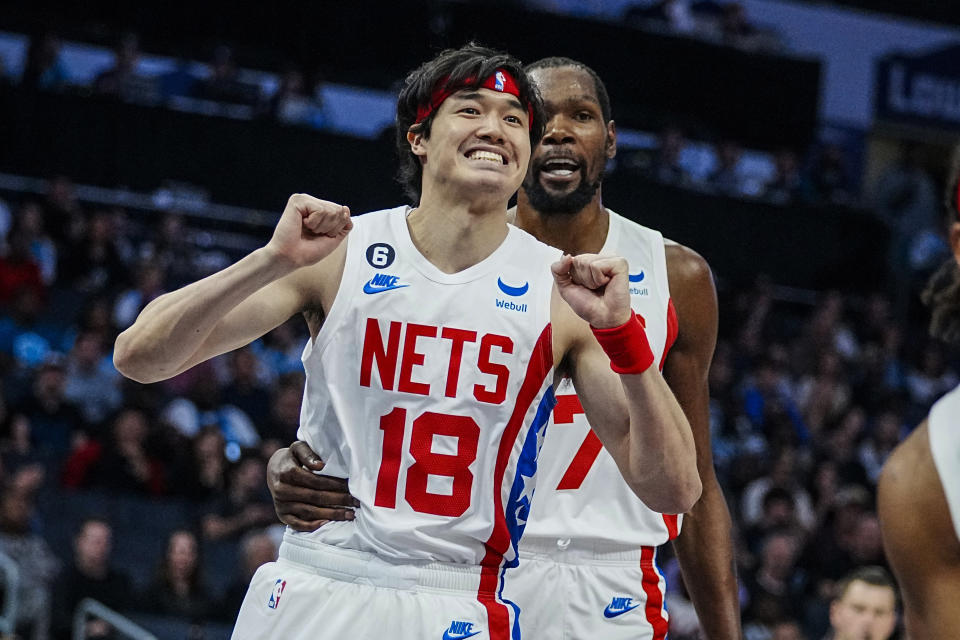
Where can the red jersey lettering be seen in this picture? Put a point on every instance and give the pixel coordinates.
(411, 359)
(386, 357)
(501, 371)
(458, 337)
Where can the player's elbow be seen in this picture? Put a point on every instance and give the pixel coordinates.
(671, 492)
(131, 359)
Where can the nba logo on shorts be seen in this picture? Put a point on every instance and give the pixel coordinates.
(498, 85)
(277, 592)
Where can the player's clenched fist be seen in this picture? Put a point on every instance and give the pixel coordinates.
(309, 229)
(596, 288)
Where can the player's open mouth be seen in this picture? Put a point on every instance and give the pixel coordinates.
(490, 156)
(560, 167)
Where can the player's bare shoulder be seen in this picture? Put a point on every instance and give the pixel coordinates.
(692, 291)
(686, 269)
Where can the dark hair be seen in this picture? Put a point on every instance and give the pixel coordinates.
(558, 61)
(464, 68)
(777, 494)
(872, 575)
(942, 293)
(196, 578)
(91, 520)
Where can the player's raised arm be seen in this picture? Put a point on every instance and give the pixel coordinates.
(242, 302)
(637, 418)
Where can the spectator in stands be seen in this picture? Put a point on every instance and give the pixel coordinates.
(45, 68)
(285, 419)
(830, 178)
(839, 445)
(90, 576)
(280, 349)
(122, 80)
(824, 397)
(96, 318)
(18, 268)
(178, 589)
(779, 514)
(929, 378)
(827, 330)
(865, 607)
(200, 471)
(26, 339)
(65, 219)
(224, 83)
(94, 264)
(247, 388)
(205, 407)
(786, 630)
(886, 432)
(786, 186)
(31, 223)
(728, 178)
(54, 420)
(246, 504)
(826, 556)
(770, 405)
(149, 285)
(666, 166)
(292, 102)
(866, 543)
(37, 565)
(123, 464)
(92, 382)
(775, 586)
(257, 548)
(169, 247)
(783, 476)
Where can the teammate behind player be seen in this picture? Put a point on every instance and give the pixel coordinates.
(919, 488)
(445, 327)
(588, 555)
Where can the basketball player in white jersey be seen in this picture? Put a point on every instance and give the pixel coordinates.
(588, 553)
(919, 489)
(436, 336)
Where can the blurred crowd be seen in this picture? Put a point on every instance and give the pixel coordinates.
(71, 278)
(217, 86)
(824, 173)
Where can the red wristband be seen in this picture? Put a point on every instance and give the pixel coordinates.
(627, 346)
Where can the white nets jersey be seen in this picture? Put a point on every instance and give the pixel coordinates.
(430, 392)
(943, 426)
(580, 492)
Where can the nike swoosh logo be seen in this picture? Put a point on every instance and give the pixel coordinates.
(513, 291)
(636, 278)
(370, 288)
(449, 636)
(613, 613)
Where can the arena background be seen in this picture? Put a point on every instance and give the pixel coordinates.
(799, 146)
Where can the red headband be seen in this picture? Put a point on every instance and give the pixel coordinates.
(500, 80)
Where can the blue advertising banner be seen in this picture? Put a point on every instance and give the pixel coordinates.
(922, 90)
